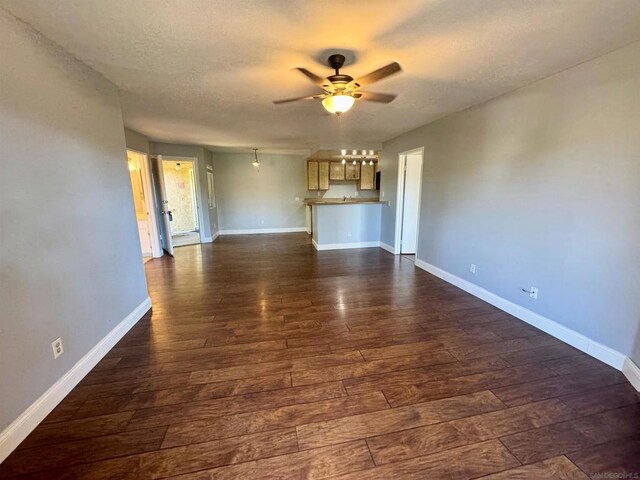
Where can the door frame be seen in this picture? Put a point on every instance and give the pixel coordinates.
(150, 202)
(400, 198)
(198, 198)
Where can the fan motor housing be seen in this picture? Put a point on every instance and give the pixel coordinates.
(336, 61)
(340, 79)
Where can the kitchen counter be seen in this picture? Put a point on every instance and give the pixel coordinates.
(336, 223)
(340, 201)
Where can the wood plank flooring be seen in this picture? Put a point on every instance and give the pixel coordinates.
(263, 358)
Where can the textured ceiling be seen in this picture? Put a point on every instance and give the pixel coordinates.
(205, 72)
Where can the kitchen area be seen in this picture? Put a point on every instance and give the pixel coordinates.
(343, 208)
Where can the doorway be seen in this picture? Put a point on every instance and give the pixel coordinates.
(408, 203)
(143, 203)
(179, 178)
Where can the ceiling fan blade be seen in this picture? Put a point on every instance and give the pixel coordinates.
(312, 76)
(378, 74)
(287, 100)
(376, 97)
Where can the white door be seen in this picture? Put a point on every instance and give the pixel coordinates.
(165, 213)
(411, 204)
(145, 237)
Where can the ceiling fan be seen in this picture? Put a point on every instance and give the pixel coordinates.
(341, 91)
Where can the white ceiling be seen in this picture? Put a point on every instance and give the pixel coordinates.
(206, 71)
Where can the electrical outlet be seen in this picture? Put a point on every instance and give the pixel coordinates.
(348, 234)
(382, 194)
(261, 222)
(472, 269)
(533, 293)
(56, 345)
(297, 199)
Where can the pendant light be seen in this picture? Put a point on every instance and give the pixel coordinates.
(344, 161)
(255, 163)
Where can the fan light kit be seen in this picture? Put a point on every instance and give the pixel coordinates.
(340, 92)
(255, 162)
(338, 104)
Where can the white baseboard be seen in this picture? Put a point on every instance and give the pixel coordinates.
(211, 238)
(344, 246)
(388, 248)
(253, 231)
(591, 347)
(632, 372)
(22, 426)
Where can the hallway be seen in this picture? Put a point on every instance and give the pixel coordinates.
(263, 358)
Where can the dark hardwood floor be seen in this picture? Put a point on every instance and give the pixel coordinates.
(263, 358)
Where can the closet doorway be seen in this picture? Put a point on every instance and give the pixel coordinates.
(408, 203)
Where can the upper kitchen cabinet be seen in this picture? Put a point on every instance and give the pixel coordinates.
(317, 175)
(336, 171)
(326, 167)
(352, 172)
(312, 175)
(323, 175)
(368, 176)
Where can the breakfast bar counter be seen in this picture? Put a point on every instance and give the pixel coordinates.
(338, 223)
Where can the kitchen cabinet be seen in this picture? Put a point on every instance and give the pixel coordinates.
(320, 174)
(336, 171)
(317, 175)
(352, 172)
(312, 175)
(323, 175)
(367, 177)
